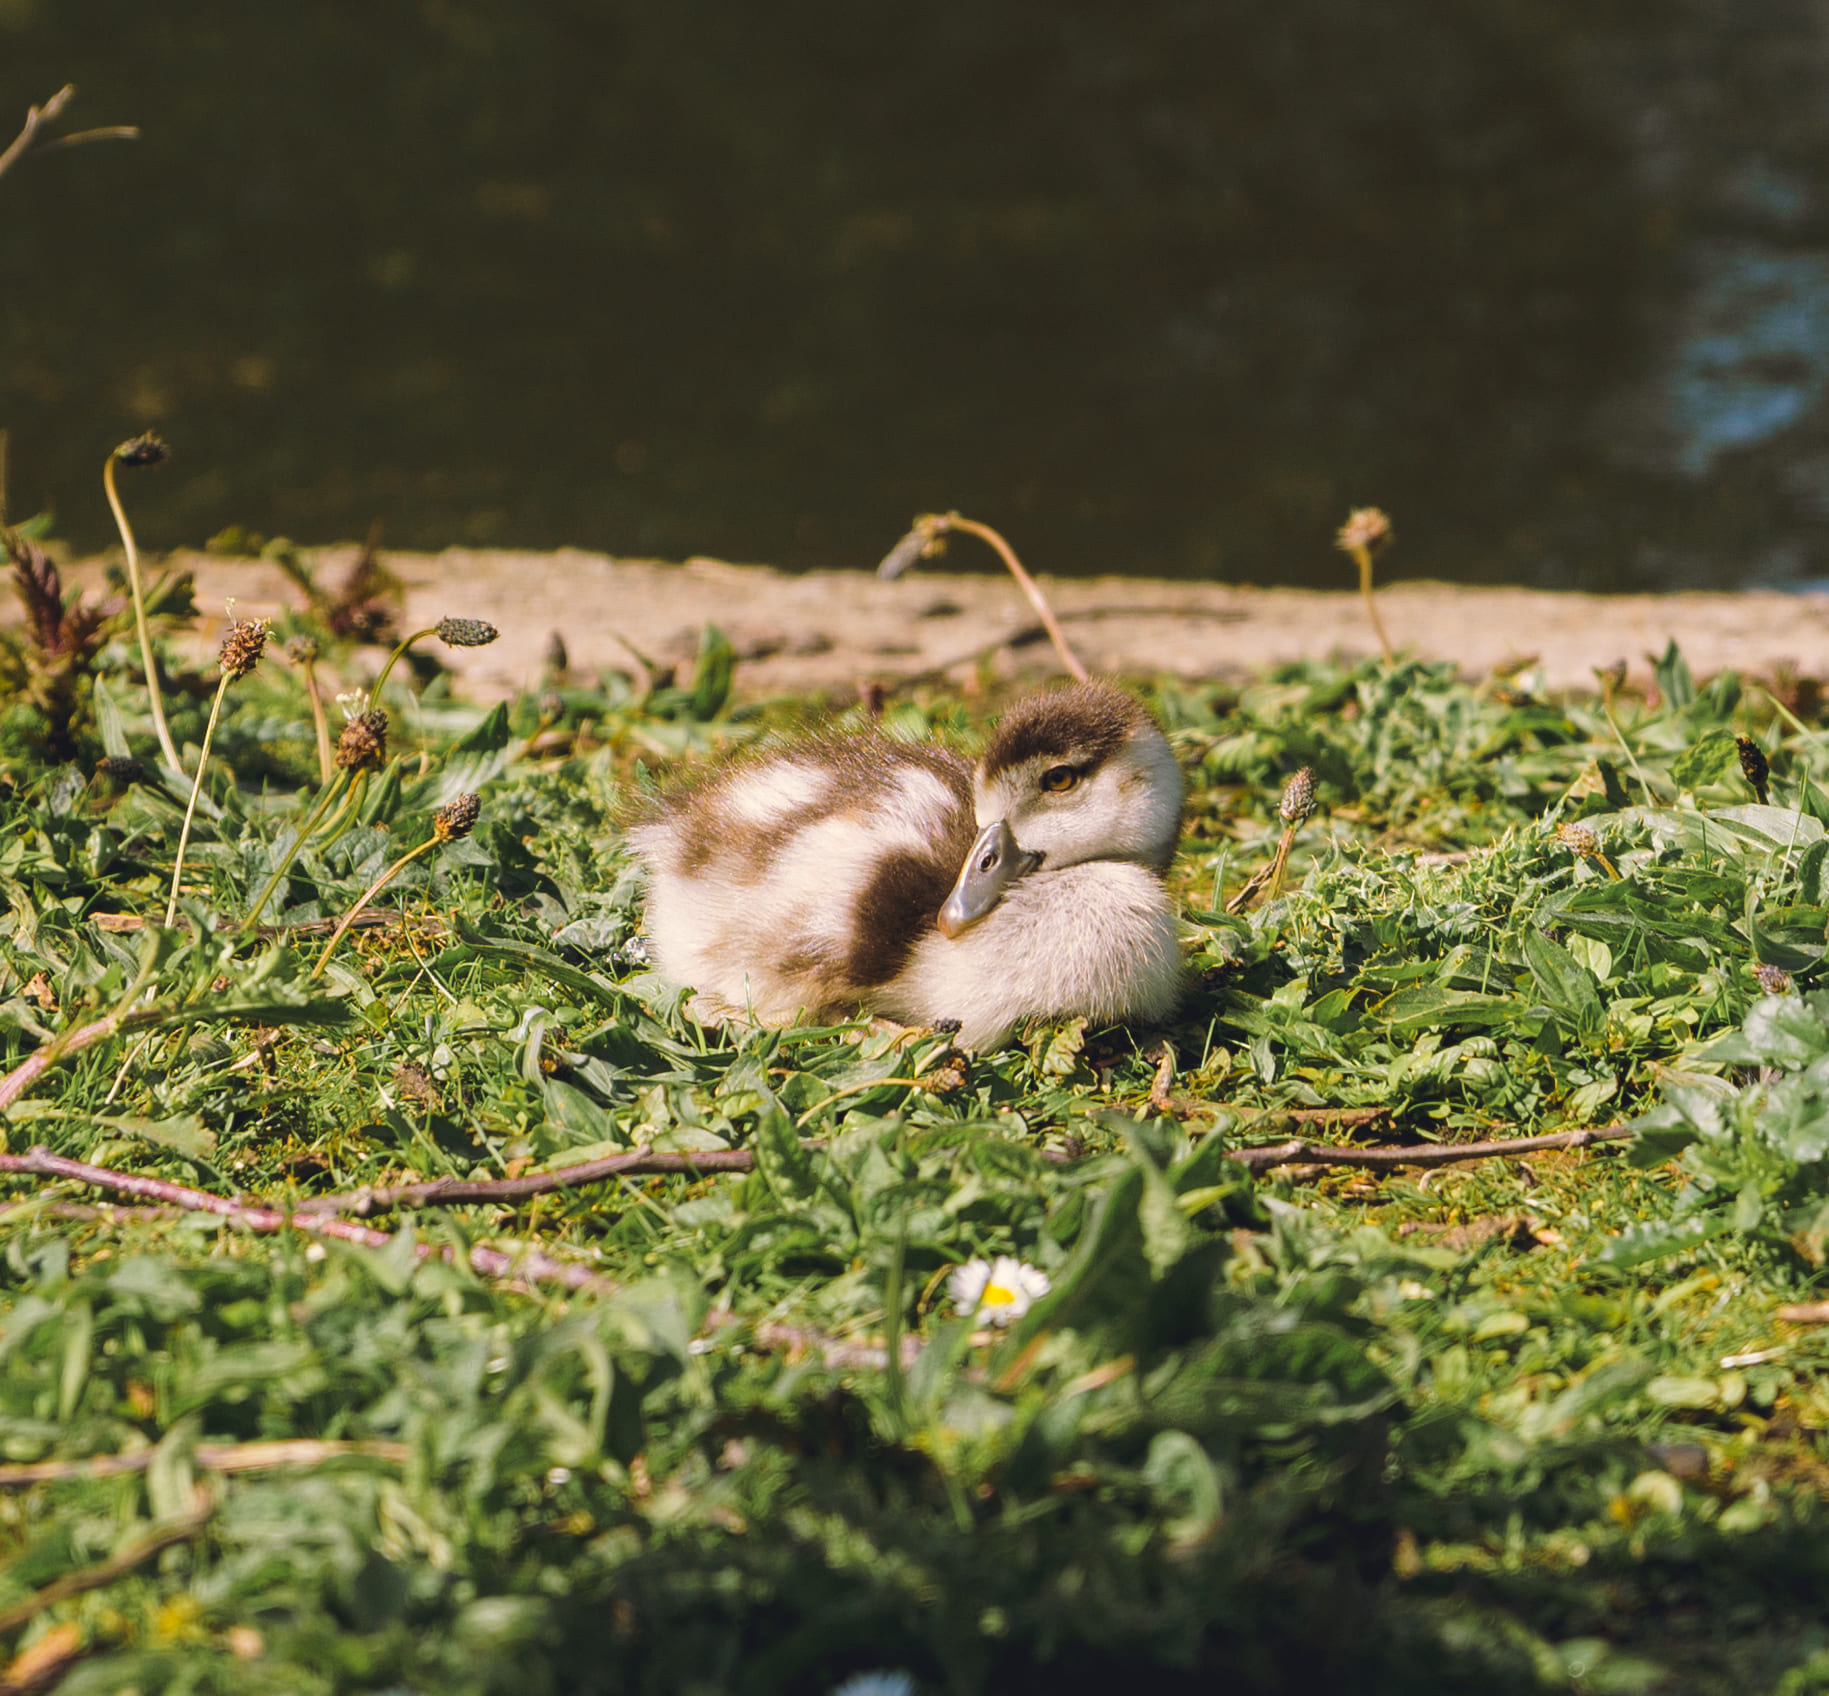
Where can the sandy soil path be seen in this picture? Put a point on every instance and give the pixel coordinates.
(829, 630)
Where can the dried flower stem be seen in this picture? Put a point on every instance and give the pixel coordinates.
(368, 895)
(1297, 805)
(1362, 557)
(319, 723)
(931, 526)
(304, 830)
(160, 728)
(190, 811)
(1367, 529)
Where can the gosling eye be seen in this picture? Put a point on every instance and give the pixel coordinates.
(1057, 780)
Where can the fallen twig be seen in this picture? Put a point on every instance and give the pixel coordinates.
(210, 1457)
(489, 1262)
(34, 1065)
(640, 1162)
(317, 1213)
(1421, 1154)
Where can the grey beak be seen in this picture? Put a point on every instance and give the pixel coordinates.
(994, 863)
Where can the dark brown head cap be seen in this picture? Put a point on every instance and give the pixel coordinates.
(1085, 724)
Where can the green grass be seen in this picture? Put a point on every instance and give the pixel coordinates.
(1521, 1425)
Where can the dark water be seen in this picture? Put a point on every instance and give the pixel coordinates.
(1165, 287)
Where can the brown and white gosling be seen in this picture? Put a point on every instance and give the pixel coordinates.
(860, 875)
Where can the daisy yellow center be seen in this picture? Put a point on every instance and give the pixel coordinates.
(995, 1295)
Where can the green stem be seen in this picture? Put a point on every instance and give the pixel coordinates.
(343, 818)
(367, 896)
(298, 842)
(139, 617)
(190, 812)
(321, 725)
(374, 693)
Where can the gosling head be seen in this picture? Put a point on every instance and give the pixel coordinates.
(1082, 774)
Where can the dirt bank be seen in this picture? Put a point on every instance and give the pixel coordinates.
(828, 630)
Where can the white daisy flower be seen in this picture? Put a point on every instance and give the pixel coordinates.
(999, 1292)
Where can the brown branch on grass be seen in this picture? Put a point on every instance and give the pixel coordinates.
(1421, 1154)
(530, 1264)
(317, 1214)
(640, 1162)
(99, 1577)
(210, 1457)
(35, 1065)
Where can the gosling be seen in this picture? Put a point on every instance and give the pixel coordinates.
(847, 876)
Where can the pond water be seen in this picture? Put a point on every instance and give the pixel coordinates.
(1163, 288)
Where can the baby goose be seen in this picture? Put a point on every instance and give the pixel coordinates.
(863, 875)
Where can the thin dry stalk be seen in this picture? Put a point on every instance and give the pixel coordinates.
(209, 1457)
(530, 1264)
(190, 810)
(1421, 1154)
(367, 895)
(320, 722)
(1365, 531)
(450, 823)
(1297, 805)
(143, 450)
(923, 542)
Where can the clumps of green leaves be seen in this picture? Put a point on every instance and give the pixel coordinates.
(1310, 1429)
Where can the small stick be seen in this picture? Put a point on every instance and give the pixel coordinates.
(36, 118)
(922, 541)
(266, 1221)
(35, 1065)
(211, 1457)
(645, 1162)
(640, 1162)
(1423, 1154)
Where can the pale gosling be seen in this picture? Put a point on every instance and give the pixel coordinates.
(860, 875)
